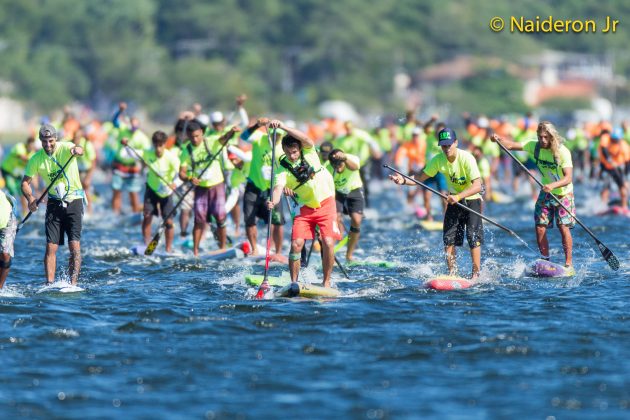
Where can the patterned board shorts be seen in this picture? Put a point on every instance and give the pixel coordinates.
(547, 209)
(7, 236)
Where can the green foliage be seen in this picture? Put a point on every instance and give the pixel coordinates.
(287, 56)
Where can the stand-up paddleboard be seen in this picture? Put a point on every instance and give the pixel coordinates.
(284, 282)
(60, 287)
(308, 291)
(239, 251)
(499, 197)
(368, 263)
(231, 200)
(139, 250)
(257, 279)
(446, 282)
(431, 225)
(615, 211)
(543, 268)
(273, 258)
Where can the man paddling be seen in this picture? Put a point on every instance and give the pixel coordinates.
(553, 160)
(303, 175)
(64, 211)
(464, 185)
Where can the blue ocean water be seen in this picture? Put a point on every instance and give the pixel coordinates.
(182, 337)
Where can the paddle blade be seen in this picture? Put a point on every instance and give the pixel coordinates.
(152, 245)
(610, 258)
(263, 289)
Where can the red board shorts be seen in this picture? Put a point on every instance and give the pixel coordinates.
(325, 217)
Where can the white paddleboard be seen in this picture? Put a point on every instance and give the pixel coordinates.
(60, 287)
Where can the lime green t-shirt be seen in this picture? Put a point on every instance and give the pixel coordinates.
(433, 148)
(199, 160)
(346, 180)
(49, 166)
(13, 163)
(549, 168)
(137, 139)
(239, 176)
(167, 166)
(6, 208)
(484, 168)
(313, 192)
(522, 137)
(260, 168)
(459, 175)
(354, 144)
(384, 139)
(89, 154)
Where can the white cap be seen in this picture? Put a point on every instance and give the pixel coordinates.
(416, 131)
(216, 117)
(203, 119)
(483, 122)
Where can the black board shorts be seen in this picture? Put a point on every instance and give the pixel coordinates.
(154, 205)
(353, 202)
(255, 206)
(63, 220)
(457, 220)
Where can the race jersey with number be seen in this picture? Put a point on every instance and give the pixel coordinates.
(459, 174)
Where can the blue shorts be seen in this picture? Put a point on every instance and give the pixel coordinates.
(128, 182)
(439, 181)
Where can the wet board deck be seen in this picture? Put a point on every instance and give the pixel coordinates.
(542, 268)
(309, 291)
(139, 250)
(449, 283)
(60, 288)
(432, 225)
(257, 279)
(365, 263)
(274, 258)
(499, 197)
(306, 290)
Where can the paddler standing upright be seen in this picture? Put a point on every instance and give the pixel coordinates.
(553, 160)
(64, 210)
(301, 173)
(464, 184)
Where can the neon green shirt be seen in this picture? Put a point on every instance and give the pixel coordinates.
(384, 139)
(549, 168)
(433, 148)
(239, 176)
(459, 175)
(200, 158)
(49, 166)
(260, 168)
(89, 155)
(484, 168)
(138, 140)
(13, 163)
(346, 180)
(313, 192)
(167, 166)
(355, 144)
(6, 208)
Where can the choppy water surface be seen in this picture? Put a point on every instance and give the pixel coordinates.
(181, 338)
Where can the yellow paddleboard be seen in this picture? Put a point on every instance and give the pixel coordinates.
(432, 225)
(310, 291)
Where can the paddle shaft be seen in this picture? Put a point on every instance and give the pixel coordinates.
(151, 247)
(265, 283)
(608, 255)
(487, 219)
(41, 197)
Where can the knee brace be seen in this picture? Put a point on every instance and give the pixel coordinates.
(168, 225)
(355, 229)
(222, 223)
(6, 264)
(295, 256)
